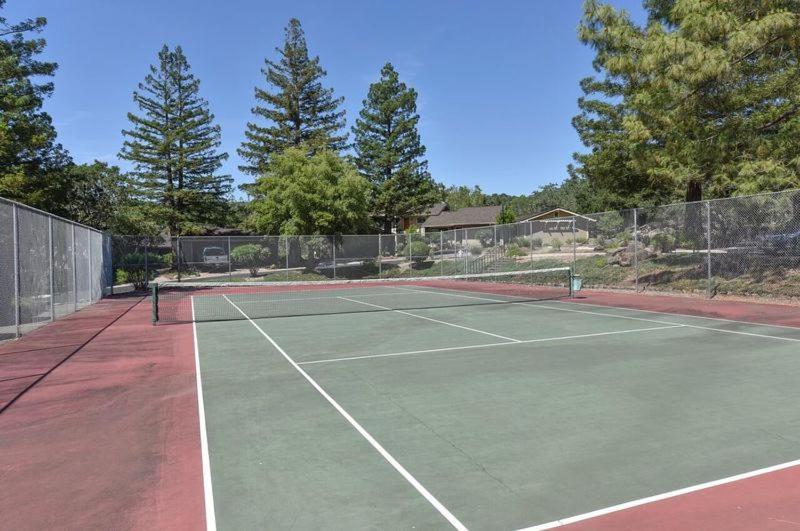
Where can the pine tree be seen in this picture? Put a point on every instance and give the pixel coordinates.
(703, 102)
(300, 111)
(389, 153)
(32, 164)
(174, 146)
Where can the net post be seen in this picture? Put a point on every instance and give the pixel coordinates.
(636, 249)
(708, 249)
(15, 223)
(230, 265)
(570, 276)
(154, 290)
(50, 258)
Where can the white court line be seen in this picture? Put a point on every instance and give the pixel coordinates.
(659, 497)
(486, 345)
(588, 312)
(682, 315)
(444, 511)
(332, 297)
(211, 519)
(431, 319)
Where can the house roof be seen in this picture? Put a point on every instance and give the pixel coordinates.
(561, 213)
(483, 215)
(436, 209)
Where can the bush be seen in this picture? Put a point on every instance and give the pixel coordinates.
(513, 250)
(485, 236)
(420, 251)
(250, 255)
(536, 243)
(663, 242)
(521, 241)
(555, 244)
(582, 240)
(131, 268)
(476, 250)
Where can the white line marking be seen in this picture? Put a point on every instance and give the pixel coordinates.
(431, 319)
(211, 519)
(659, 497)
(588, 312)
(360, 429)
(683, 315)
(332, 297)
(486, 345)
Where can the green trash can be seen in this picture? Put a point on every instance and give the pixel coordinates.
(577, 283)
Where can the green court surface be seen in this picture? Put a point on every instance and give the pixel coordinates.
(486, 416)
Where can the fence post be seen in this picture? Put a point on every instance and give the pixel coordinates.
(709, 290)
(74, 271)
(17, 305)
(333, 244)
(636, 249)
(178, 257)
(530, 240)
(574, 244)
(441, 252)
(50, 258)
(91, 267)
(230, 265)
(146, 263)
(286, 251)
(380, 256)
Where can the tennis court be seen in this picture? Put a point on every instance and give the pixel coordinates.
(484, 405)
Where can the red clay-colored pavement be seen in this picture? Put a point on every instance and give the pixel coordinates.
(768, 502)
(109, 438)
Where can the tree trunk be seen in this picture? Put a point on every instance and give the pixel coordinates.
(694, 220)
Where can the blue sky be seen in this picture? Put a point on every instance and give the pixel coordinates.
(497, 81)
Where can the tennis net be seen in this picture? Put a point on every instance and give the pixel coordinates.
(175, 302)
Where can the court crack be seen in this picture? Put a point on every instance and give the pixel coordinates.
(441, 437)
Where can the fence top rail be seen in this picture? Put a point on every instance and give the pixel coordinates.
(11, 202)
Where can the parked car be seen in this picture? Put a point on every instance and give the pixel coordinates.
(787, 243)
(215, 256)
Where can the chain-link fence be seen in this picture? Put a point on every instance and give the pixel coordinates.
(49, 268)
(741, 246)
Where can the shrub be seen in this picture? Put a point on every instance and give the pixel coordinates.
(420, 251)
(485, 236)
(131, 268)
(663, 242)
(250, 255)
(582, 240)
(521, 241)
(475, 250)
(555, 244)
(514, 250)
(536, 243)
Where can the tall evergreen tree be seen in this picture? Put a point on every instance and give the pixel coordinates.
(174, 146)
(702, 102)
(300, 111)
(389, 152)
(32, 164)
